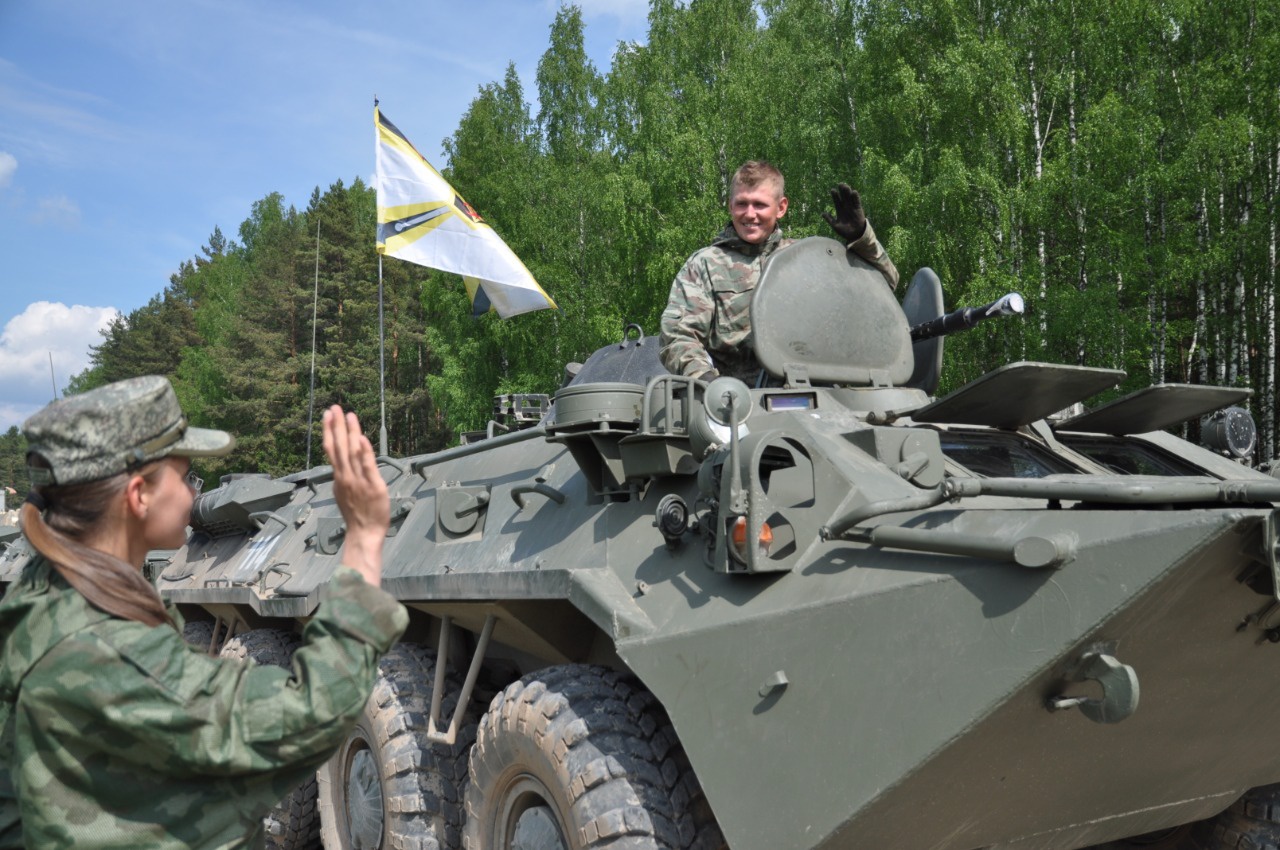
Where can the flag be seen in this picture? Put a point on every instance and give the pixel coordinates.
(423, 220)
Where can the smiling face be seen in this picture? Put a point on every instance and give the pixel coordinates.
(755, 210)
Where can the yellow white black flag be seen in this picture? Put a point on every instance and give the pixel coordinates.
(423, 220)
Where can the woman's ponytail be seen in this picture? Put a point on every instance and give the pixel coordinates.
(57, 518)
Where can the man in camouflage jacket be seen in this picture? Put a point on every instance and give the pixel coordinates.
(706, 328)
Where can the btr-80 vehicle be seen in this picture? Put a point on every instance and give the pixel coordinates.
(832, 611)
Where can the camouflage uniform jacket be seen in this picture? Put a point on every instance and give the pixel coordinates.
(707, 323)
(119, 735)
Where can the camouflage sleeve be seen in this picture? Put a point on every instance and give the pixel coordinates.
(868, 248)
(10, 822)
(10, 825)
(686, 323)
(182, 712)
(10, 819)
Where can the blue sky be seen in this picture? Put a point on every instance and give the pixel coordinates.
(130, 128)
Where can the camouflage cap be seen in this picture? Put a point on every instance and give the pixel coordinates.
(113, 429)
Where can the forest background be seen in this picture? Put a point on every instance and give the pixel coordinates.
(1117, 163)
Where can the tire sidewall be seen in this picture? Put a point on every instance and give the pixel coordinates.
(499, 795)
(332, 779)
(578, 741)
(421, 782)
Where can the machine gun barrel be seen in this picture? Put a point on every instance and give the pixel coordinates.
(966, 317)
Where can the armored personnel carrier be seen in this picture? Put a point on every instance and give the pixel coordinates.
(834, 611)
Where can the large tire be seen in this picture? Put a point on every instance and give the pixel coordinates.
(198, 633)
(1250, 823)
(575, 757)
(294, 822)
(388, 786)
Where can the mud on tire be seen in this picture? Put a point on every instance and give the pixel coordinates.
(198, 633)
(578, 757)
(388, 786)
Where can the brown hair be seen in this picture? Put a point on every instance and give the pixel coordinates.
(71, 512)
(754, 172)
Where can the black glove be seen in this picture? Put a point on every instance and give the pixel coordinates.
(849, 222)
(708, 376)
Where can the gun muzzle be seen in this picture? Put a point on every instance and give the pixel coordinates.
(966, 317)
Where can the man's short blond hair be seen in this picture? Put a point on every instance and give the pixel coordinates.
(756, 172)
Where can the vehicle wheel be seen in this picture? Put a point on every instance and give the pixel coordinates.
(575, 757)
(388, 786)
(293, 823)
(1250, 823)
(198, 633)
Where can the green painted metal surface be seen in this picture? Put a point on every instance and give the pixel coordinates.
(858, 635)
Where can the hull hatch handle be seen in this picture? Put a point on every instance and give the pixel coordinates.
(1119, 689)
(521, 490)
(539, 486)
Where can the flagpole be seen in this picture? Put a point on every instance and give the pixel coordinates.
(315, 300)
(382, 348)
(382, 369)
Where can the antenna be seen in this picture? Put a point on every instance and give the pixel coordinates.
(53, 380)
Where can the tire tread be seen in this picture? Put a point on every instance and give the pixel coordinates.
(422, 781)
(614, 755)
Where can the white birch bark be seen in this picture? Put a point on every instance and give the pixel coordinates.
(1267, 395)
(1222, 374)
(1040, 137)
(1082, 280)
(1198, 352)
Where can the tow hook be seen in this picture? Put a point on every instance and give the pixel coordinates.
(1119, 689)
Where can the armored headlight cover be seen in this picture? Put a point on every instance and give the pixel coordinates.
(1230, 431)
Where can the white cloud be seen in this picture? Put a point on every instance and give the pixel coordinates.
(8, 165)
(58, 210)
(42, 331)
(51, 125)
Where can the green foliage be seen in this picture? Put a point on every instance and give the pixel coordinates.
(233, 331)
(149, 341)
(1118, 164)
(13, 467)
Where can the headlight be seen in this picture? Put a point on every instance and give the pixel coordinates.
(1230, 431)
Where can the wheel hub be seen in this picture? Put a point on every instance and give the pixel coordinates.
(531, 822)
(364, 801)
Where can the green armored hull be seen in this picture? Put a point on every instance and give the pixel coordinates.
(829, 612)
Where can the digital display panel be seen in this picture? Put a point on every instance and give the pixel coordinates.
(799, 401)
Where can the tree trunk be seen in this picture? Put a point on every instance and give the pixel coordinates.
(1040, 138)
(1267, 392)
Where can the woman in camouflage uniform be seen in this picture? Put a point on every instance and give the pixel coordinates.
(113, 732)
